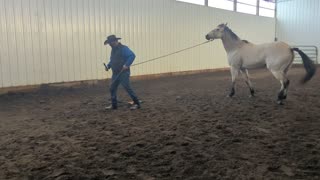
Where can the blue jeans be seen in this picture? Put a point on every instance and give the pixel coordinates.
(123, 79)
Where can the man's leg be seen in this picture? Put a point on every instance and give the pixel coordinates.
(113, 91)
(125, 82)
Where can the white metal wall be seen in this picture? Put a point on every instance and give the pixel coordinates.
(298, 22)
(47, 41)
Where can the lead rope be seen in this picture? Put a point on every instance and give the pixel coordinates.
(171, 53)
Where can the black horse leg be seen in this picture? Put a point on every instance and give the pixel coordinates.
(232, 91)
(250, 88)
(286, 86)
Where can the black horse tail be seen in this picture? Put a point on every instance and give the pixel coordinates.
(308, 65)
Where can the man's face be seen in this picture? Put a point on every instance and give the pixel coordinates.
(114, 44)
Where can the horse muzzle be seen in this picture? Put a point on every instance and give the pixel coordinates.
(208, 38)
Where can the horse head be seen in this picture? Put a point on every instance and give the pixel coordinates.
(217, 33)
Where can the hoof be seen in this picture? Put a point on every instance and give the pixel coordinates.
(252, 92)
(231, 94)
(279, 102)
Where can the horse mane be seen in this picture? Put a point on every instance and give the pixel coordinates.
(232, 34)
(245, 41)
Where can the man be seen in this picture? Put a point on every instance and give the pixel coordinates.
(120, 60)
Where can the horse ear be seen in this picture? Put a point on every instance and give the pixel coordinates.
(226, 24)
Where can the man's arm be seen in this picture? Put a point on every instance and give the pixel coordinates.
(109, 64)
(129, 56)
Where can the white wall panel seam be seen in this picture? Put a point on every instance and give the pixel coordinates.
(87, 63)
(1, 48)
(31, 44)
(60, 55)
(72, 39)
(46, 65)
(24, 55)
(88, 37)
(97, 44)
(16, 48)
(20, 41)
(54, 48)
(39, 64)
(6, 69)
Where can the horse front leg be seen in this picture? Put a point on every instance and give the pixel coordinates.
(245, 75)
(234, 75)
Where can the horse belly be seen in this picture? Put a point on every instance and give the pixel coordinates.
(253, 62)
(254, 66)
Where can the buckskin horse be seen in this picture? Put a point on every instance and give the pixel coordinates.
(276, 56)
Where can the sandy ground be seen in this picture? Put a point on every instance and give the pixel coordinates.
(187, 129)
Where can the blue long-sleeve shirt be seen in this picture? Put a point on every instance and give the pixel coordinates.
(120, 56)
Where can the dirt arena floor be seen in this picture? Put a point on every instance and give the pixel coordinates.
(187, 129)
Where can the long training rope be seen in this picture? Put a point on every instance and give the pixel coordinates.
(153, 59)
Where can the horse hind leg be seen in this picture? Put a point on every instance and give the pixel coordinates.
(282, 95)
(245, 75)
(286, 87)
(287, 82)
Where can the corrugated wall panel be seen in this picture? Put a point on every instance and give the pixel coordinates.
(43, 42)
(11, 40)
(70, 41)
(4, 50)
(20, 41)
(47, 41)
(298, 22)
(35, 42)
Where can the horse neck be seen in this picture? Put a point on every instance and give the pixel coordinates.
(230, 43)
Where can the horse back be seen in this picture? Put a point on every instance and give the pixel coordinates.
(255, 56)
(277, 51)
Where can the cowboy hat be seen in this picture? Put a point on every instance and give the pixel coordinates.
(110, 39)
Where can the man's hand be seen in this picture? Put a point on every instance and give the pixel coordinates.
(125, 67)
(106, 67)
